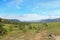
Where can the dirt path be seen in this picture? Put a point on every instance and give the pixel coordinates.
(29, 36)
(57, 37)
(39, 36)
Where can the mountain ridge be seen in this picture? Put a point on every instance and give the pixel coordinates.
(42, 20)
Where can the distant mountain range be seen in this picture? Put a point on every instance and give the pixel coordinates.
(47, 20)
(43, 20)
(9, 20)
(14, 20)
(50, 20)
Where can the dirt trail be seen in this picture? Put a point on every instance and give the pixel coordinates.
(57, 37)
(37, 36)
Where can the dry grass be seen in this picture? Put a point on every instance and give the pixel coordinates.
(27, 36)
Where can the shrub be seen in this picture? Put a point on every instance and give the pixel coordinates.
(45, 24)
(11, 28)
(16, 26)
(30, 27)
(24, 30)
(0, 19)
(38, 29)
(2, 30)
(21, 27)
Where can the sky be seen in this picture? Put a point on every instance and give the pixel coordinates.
(28, 10)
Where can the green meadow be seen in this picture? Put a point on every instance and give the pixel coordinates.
(28, 30)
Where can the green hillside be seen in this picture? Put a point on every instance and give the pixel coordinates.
(10, 30)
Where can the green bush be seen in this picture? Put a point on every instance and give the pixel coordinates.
(21, 27)
(30, 27)
(16, 26)
(0, 19)
(24, 30)
(45, 24)
(37, 29)
(2, 30)
(11, 28)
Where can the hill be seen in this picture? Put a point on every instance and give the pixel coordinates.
(51, 20)
(28, 30)
(45, 20)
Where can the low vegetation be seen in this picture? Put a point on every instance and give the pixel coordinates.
(27, 30)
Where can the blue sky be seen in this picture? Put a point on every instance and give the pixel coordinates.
(27, 10)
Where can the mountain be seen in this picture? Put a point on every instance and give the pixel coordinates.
(50, 20)
(46, 20)
(9, 21)
(43, 20)
(14, 20)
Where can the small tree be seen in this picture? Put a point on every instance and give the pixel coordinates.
(38, 29)
(21, 27)
(45, 24)
(24, 30)
(2, 30)
(30, 27)
(0, 19)
(16, 26)
(11, 28)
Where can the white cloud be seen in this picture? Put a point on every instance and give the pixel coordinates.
(51, 8)
(29, 17)
(18, 7)
(52, 13)
(8, 16)
(34, 17)
(51, 4)
(52, 17)
(15, 3)
(46, 5)
(36, 8)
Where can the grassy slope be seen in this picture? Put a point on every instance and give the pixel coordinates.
(16, 34)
